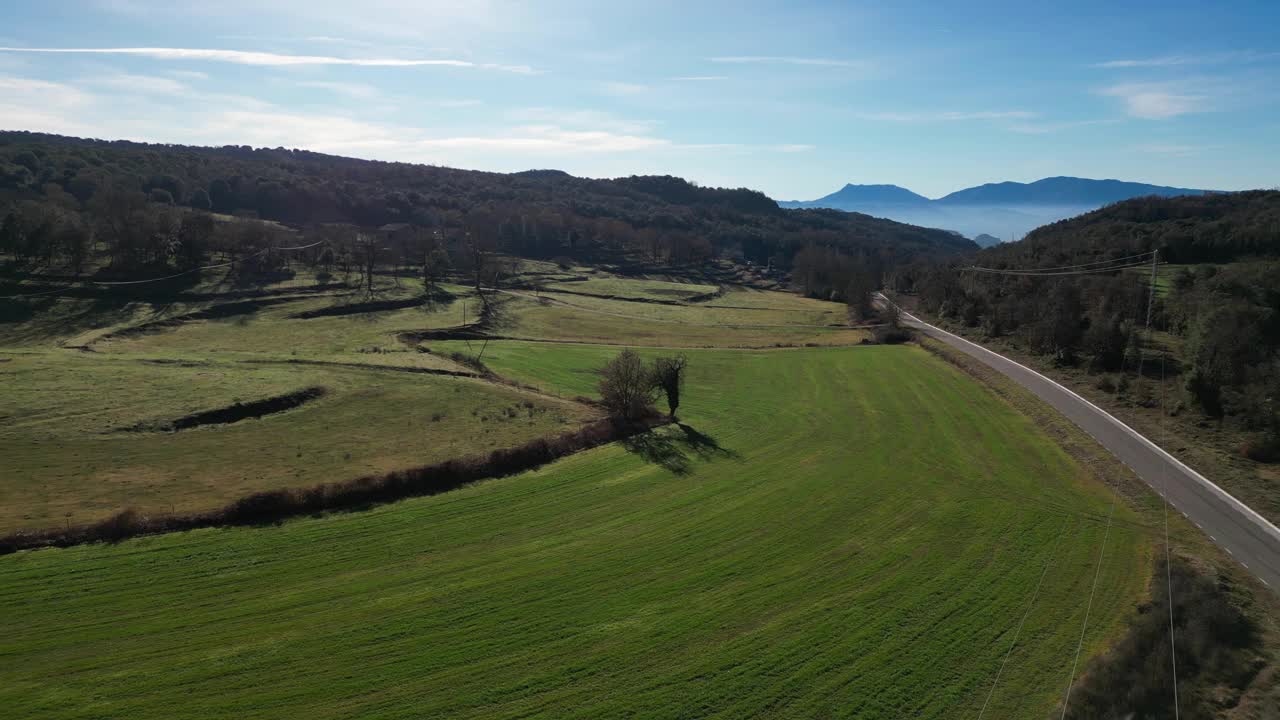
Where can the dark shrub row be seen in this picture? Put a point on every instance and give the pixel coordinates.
(360, 308)
(275, 505)
(238, 411)
(886, 335)
(1217, 650)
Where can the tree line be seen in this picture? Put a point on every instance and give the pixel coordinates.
(83, 204)
(1216, 311)
(628, 387)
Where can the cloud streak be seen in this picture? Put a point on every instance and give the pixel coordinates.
(1156, 101)
(148, 84)
(1175, 150)
(267, 59)
(1045, 128)
(623, 89)
(27, 104)
(355, 91)
(1235, 56)
(946, 116)
(786, 60)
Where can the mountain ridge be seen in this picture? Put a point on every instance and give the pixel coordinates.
(1001, 209)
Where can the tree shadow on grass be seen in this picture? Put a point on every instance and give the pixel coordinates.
(677, 451)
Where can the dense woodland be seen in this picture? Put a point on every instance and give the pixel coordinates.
(1218, 310)
(129, 209)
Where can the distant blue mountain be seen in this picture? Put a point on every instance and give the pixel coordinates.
(1004, 210)
(1060, 191)
(870, 195)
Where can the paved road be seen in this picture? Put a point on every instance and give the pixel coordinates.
(1246, 535)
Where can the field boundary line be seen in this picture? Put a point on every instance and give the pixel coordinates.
(1264, 524)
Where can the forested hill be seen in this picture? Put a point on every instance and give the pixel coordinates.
(1218, 227)
(556, 213)
(1218, 300)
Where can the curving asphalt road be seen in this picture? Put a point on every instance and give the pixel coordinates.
(1247, 536)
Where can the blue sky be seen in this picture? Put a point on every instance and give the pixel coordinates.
(794, 99)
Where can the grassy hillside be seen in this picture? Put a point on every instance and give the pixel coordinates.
(93, 387)
(49, 181)
(832, 532)
(80, 447)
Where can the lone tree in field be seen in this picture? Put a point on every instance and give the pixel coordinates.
(626, 386)
(668, 376)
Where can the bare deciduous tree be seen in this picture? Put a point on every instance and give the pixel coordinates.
(626, 386)
(668, 376)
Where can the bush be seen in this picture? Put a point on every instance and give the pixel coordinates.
(1216, 646)
(1261, 448)
(892, 335)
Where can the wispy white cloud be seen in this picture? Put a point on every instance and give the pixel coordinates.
(241, 57)
(326, 133)
(700, 78)
(945, 116)
(135, 85)
(27, 104)
(788, 60)
(1157, 101)
(594, 119)
(623, 89)
(1175, 150)
(1233, 56)
(365, 92)
(356, 91)
(188, 74)
(1045, 128)
(338, 40)
(147, 84)
(550, 138)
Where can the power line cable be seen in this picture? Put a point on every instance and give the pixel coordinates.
(1029, 273)
(117, 283)
(1048, 561)
(1083, 265)
(1168, 568)
(1088, 609)
(176, 275)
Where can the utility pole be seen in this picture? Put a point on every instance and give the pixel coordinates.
(1151, 298)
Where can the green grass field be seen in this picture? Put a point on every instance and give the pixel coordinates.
(634, 288)
(68, 457)
(79, 370)
(833, 533)
(767, 319)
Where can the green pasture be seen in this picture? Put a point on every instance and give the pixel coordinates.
(70, 458)
(848, 532)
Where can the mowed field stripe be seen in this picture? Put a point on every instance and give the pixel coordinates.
(806, 545)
